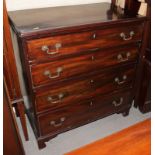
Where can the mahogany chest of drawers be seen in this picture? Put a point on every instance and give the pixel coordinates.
(79, 63)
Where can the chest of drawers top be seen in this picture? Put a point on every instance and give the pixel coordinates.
(55, 20)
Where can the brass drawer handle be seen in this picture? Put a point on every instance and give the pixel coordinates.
(94, 36)
(116, 104)
(92, 58)
(46, 49)
(117, 80)
(91, 103)
(124, 37)
(49, 74)
(55, 99)
(91, 81)
(120, 57)
(55, 124)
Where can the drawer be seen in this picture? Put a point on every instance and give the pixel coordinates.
(101, 83)
(65, 69)
(82, 113)
(63, 45)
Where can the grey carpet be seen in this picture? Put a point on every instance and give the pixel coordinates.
(81, 136)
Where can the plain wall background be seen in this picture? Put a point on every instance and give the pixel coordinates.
(27, 4)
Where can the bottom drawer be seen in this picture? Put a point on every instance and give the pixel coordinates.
(81, 113)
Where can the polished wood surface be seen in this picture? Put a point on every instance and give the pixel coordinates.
(132, 6)
(10, 73)
(101, 83)
(82, 42)
(143, 98)
(135, 140)
(21, 110)
(12, 143)
(66, 16)
(73, 67)
(145, 89)
(10, 70)
(83, 112)
(69, 63)
(145, 93)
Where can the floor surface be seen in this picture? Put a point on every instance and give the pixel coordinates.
(122, 142)
(81, 136)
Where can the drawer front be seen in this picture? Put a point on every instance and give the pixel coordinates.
(65, 69)
(101, 83)
(63, 45)
(81, 113)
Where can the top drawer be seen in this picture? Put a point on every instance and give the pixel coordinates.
(63, 45)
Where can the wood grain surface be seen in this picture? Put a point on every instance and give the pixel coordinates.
(72, 54)
(9, 68)
(83, 112)
(102, 83)
(135, 140)
(12, 143)
(10, 72)
(33, 21)
(83, 41)
(144, 92)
